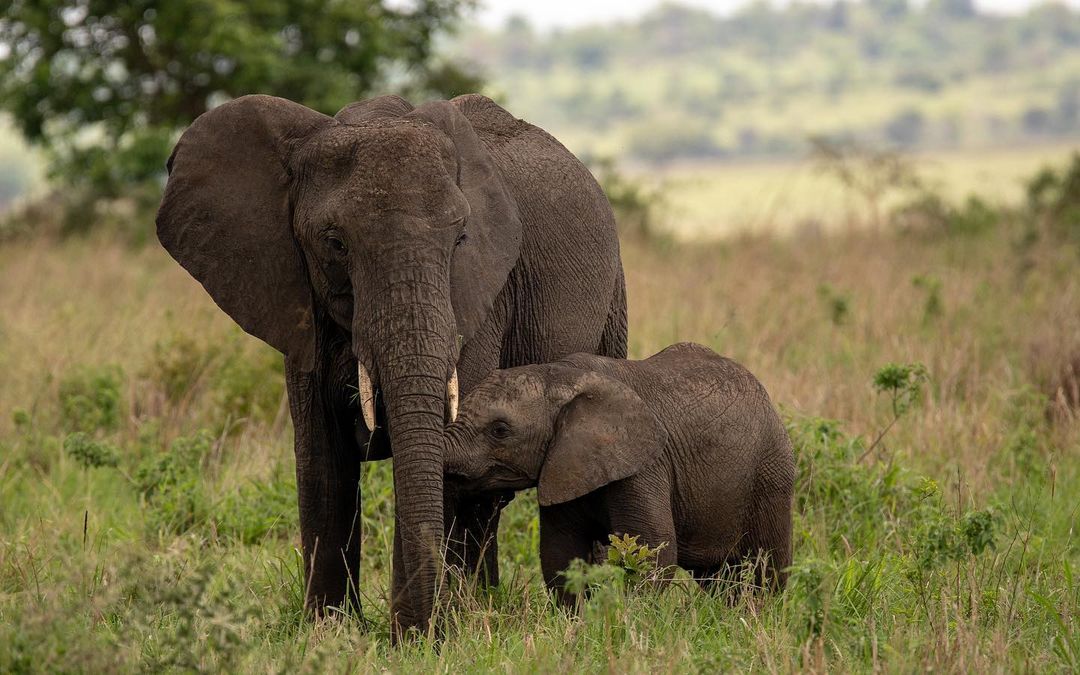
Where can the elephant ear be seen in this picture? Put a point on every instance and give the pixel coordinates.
(483, 260)
(225, 217)
(604, 433)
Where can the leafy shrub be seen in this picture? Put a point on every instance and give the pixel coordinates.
(89, 452)
(975, 217)
(930, 213)
(90, 398)
(809, 581)
(635, 205)
(239, 383)
(938, 537)
(1053, 196)
(257, 511)
(247, 385)
(177, 364)
(172, 485)
(859, 503)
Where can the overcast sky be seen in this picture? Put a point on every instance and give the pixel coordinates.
(551, 13)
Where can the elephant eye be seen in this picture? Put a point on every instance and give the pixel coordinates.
(335, 243)
(499, 430)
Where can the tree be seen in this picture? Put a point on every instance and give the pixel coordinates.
(905, 128)
(890, 9)
(954, 9)
(136, 71)
(870, 173)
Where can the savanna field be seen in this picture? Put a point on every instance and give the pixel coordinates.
(148, 509)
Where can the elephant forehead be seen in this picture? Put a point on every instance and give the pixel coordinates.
(383, 167)
(399, 145)
(509, 388)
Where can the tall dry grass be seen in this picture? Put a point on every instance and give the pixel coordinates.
(87, 577)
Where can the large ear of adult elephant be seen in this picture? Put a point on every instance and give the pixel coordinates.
(492, 243)
(225, 217)
(603, 433)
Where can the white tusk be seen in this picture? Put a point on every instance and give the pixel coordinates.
(367, 396)
(452, 395)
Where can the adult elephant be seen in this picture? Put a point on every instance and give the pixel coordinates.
(394, 255)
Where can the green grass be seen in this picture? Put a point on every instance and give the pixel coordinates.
(148, 515)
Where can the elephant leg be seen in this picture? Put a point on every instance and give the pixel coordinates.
(328, 491)
(770, 525)
(770, 539)
(649, 518)
(472, 525)
(563, 538)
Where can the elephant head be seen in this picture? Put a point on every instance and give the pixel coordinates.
(390, 221)
(564, 430)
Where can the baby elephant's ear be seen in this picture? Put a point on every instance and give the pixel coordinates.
(604, 433)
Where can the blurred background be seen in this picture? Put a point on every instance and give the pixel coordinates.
(714, 116)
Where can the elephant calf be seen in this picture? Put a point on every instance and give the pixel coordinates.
(682, 448)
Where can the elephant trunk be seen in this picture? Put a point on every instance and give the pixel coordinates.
(413, 352)
(457, 462)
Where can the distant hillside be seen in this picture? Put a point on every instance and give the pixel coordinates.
(681, 83)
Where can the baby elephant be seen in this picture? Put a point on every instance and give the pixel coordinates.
(682, 448)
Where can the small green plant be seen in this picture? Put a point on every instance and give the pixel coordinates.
(90, 398)
(638, 561)
(90, 453)
(903, 383)
(837, 304)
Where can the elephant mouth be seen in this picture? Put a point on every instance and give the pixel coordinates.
(499, 477)
(367, 392)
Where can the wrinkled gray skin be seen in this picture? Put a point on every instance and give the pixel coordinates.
(410, 241)
(682, 448)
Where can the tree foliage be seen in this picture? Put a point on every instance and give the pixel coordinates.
(105, 85)
(684, 83)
